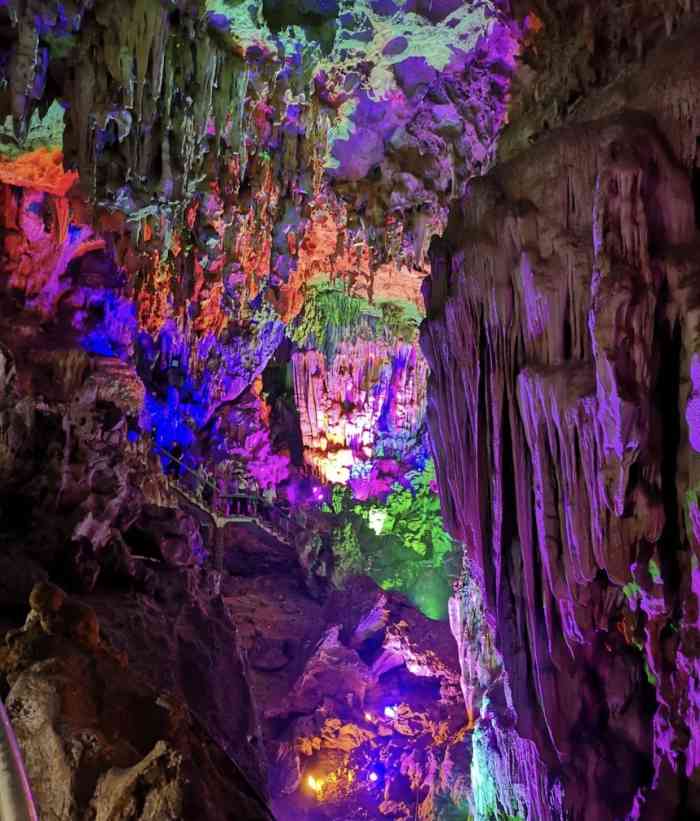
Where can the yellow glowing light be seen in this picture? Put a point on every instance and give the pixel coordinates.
(316, 784)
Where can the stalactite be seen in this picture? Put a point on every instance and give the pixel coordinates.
(580, 406)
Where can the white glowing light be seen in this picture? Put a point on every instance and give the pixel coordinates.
(377, 517)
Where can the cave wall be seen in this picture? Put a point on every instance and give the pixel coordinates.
(562, 346)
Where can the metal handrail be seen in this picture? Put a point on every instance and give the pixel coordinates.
(205, 481)
(257, 498)
(16, 800)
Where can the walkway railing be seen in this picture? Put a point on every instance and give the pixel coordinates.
(16, 802)
(239, 508)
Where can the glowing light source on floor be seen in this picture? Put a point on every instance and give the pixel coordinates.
(390, 711)
(373, 777)
(368, 716)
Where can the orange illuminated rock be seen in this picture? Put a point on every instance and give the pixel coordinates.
(254, 244)
(154, 301)
(398, 282)
(41, 170)
(35, 253)
(211, 316)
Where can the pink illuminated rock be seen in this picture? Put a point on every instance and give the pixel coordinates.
(692, 413)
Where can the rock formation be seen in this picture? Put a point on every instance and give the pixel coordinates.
(561, 353)
(349, 408)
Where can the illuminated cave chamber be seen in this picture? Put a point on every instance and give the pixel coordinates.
(348, 398)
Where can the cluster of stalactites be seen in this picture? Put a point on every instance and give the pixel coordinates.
(543, 405)
(368, 400)
(152, 92)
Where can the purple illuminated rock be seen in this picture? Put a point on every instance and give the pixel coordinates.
(162, 301)
(437, 10)
(396, 46)
(414, 74)
(357, 156)
(558, 366)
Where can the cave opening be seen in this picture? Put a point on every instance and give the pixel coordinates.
(278, 385)
(568, 337)
(143, 542)
(16, 512)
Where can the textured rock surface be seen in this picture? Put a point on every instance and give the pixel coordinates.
(229, 166)
(561, 407)
(371, 395)
(146, 715)
(376, 716)
(172, 691)
(99, 739)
